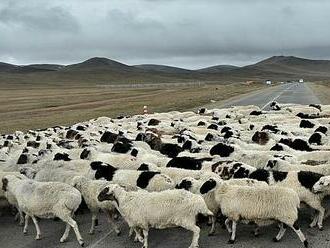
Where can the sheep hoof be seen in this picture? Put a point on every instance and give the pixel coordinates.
(231, 241)
(81, 242)
(276, 240)
(91, 232)
(211, 233)
(306, 243)
(96, 222)
(38, 237)
(62, 240)
(118, 233)
(321, 228)
(312, 225)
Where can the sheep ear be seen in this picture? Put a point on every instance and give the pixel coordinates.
(96, 165)
(208, 186)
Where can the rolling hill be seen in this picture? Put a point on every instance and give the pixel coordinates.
(106, 71)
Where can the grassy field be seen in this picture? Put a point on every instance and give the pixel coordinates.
(322, 91)
(38, 107)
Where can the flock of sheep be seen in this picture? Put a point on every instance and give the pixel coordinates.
(166, 169)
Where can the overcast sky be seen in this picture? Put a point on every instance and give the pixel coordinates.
(186, 33)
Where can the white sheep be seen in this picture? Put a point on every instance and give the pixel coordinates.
(169, 208)
(260, 204)
(45, 200)
(89, 190)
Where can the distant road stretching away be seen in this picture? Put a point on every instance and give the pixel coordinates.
(299, 93)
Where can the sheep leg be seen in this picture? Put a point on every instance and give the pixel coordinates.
(94, 217)
(145, 238)
(26, 224)
(233, 233)
(65, 234)
(38, 236)
(112, 223)
(196, 230)
(296, 229)
(317, 205)
(213, 222)
(73, 224)
(256, 231)
(21, 217)
(228, 227)
(281, 232)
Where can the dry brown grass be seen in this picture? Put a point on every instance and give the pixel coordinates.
(322, 91)
(31, 108)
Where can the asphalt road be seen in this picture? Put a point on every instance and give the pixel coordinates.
(11, 235)
(299, 93)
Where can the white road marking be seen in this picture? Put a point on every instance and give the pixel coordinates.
(101, 239)
(268, 103)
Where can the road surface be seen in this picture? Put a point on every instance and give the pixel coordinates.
(11, 235)
(299, 93)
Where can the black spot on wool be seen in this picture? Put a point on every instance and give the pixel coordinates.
(241, 173)
(153, 122)
(140, 137)
(143, 167)
(201, 123)
(277, 147)
(184, 184)
(255, 112)
(222, 123)
(213, 126)
(38, 138)
(214, 118)
(62, 156)
(171, 150)
(33, 144)
(103, 170)
(260, 138)
(187, 163)
(297, 144)
(144, 178)
(84, 154)
(202, 111)
(209, 137)
(22, 159)
(225, 129)
(321, 129)
(308, 179)
(315, 138)
(81, 128)
(279, 175)
(251, 127)
(187, 145)
(315, 106)
(70, 134)
(134, 152)
(306, 124)
(228, 134)
(121, 147)
(221, 149)
(260, 175)
(109, 137)
(207, 186)
(271, 128)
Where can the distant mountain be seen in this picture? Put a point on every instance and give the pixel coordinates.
(162, 68)
(5, 67)
(293, 65)
(98, 64)
(106, 71)
(218, 68)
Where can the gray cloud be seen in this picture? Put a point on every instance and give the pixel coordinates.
(187, 33)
